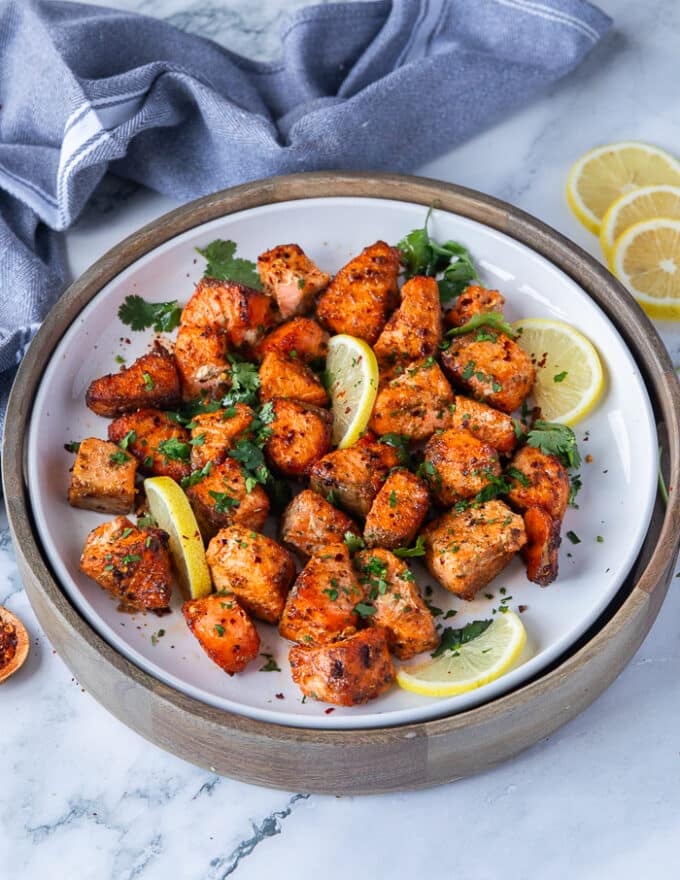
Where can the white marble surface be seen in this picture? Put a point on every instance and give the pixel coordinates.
(82, 796)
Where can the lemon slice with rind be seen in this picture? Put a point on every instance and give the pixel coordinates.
(633, 207)
(170, 508)
(353, 385)
(606, 173)
(569, 374)
(471, 665)
(646, 258)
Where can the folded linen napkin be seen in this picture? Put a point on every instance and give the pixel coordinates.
(386, 84)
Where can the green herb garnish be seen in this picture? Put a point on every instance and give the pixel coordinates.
(494, 320)
(222, 263)
(174, 449)
(555, 439)
(139, 314)
(453, 639)
(418, 549)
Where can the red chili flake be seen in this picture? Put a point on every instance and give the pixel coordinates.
(522, 608)
(328, 710)
(279, 696)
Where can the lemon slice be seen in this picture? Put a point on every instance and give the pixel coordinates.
(170, 508)
(569, 375)
(633, 207)
(646, 258)
(604, 174)
(353, 371)
(472, 665)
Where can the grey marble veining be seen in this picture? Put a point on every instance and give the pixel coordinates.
(82, 796)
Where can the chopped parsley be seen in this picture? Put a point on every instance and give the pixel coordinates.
(453, 639)
(271, 665)
(484, 320)
(519, 477)
(222, 263)
(129, 558)
(174, 449)
(129, 438)
(393, 498)
(146, 521)
(574, 489)
(365, 609)
(149, 383)
(418, 549)
(245, 383)
(560, 377)
(398, 442)
(72, 446)
(573, 537)
(224, 502)
(139, 314)
(118, 458)
(219, 629)
(353, 542)
(156, 636)
(196, 476)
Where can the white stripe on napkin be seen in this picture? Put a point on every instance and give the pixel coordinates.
(551, 14)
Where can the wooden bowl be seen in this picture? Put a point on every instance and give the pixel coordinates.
(373, 760)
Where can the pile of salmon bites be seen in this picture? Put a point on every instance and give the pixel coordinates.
(237, 410)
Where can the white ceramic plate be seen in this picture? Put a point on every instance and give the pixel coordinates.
(615, 502)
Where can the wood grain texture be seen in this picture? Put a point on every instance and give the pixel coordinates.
(389, 759)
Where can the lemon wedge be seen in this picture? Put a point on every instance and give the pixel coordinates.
(472, 665)
(633, 207)
(606, 173)
(353, 371)
(569, 374)
(646, 258)
(170, 508)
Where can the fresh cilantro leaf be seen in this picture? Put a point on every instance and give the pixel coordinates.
(519, 477)
(494, 320)
(555, 439)
(129, 558)
(453, 639)
(146, 521)
(497, 485)
(72, 446)
(129, 438)
(116, 459)
(353, 542)
(222, 263)
(450, 262)
(196, 476)
(192, 408)
(149, 383)
(574, 489)
(399, 442)
(245, 383)
(364, 609)
(247, 454)
(560, 377)
(271, 664)
(174, 449)
(418, 549)
(139, 314)
(223, 501)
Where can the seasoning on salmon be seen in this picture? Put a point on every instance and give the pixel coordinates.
(309, 522)
(466, 549)
(224, 631)
(348, 672)
(103, 477)
(281, 376)
(360, 297)
(457, 465)
(151, 381)
(223, 497)
(131, 563)
(160, 445)
(414, 331)
(300, 435)
(253, 567)
(397, 512)
(288, 275)
(353, 476)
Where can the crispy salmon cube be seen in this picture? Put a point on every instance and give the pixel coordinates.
(362, 294)
(132, 564)
(545, 482)
(222, 499)
(497, 372)
(224, 631)
(310, 522)
(254, 568)
(486, 423)
(103, 477)
(397, 512)
(282, 377)
(540, 552)
(300, 436)
(473, 301)
(202, 363)
(220, 316)
(151, 381)
(414, 401)
(414, 331)
(159, 444)
(400, 609)
(299, 338)
(457, 465)
(320, 605)
(214, 433)
(346, 673)
(466, 549)
(291, 278)
(353, 477)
